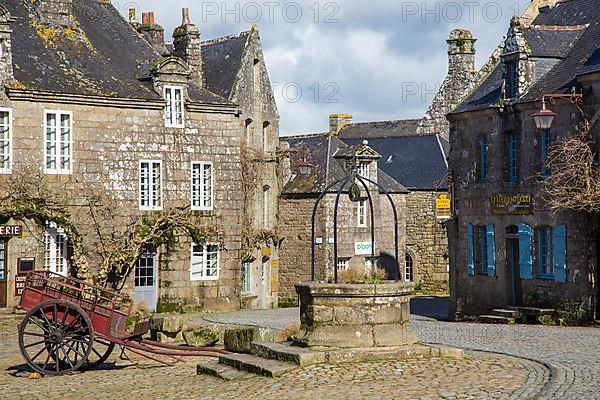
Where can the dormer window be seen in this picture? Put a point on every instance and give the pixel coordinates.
(174, 107)
(363, 169)
(512, 79)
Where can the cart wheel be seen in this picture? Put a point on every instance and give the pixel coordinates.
(101, 350)
(56, 337)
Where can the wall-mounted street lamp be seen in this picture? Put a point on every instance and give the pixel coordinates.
(545, 117)
(304, 167)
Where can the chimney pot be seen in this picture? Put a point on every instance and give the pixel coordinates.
(151, 18)
(132, 16)
(185, 16)
(145, 18)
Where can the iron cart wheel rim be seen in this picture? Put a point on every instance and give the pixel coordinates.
(101, 350)
(56, 337)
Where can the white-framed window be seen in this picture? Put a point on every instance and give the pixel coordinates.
(361, 213)
(55, 249)
(343, 263)
(205, 262)
(58, 150)
(202, 185)
(363, 169)
(150, 185)
(5, 141)
(174, 108)
(246, 273)
(408, 268)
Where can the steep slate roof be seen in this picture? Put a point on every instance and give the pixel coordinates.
(380, 129)
(319, 151)
(418, 162)
(102, 58)
(575, 49)
(222, 61)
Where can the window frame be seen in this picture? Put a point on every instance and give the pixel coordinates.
(545, 141)
(480, 259)
(545, 238)
(483, 162)
(343, 263)
(58, 143)
(409, 260)
(8, 170)
(201, 194)
(512, 79)
(173, 124)
(513, 157)
(265, 136)
(246, 284)
(55, 250)
(266, 209)
(205, 252)
(150, 207)
(361, 205)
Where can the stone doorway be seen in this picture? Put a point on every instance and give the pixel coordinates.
(512, 265)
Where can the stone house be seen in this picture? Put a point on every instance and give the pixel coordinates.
(507, 247)
(414, 153)
(92, 101)
(300, 193)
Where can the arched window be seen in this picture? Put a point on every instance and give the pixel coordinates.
(408, 269)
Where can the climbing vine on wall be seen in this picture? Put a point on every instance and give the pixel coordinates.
(106, 240)
(254, 166)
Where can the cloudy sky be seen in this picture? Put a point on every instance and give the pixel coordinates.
(363, 57)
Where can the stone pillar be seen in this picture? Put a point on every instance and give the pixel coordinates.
(186, 42)
(461, 62)
(152, 32)
(55, 12)
(6, 65)
(337, 122)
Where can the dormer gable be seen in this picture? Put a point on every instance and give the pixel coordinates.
(517, 70)
(170, 71)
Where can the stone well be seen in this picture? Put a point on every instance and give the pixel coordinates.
(355, 315)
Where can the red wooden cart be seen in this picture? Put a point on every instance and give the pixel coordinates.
(72, 324)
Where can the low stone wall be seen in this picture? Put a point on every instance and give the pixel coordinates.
(351, 316)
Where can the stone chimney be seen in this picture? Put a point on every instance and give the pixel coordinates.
(6, 65)
(54, 12)
(337, 122)
(151, 31)
(462, 74)
(186, 42)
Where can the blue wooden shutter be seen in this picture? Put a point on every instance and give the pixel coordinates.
(525, 256)
(470, 250)
(559, 251)
(491, 251)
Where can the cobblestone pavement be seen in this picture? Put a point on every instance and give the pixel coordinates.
(571, 354)
(478, 376)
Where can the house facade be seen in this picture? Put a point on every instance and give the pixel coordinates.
(508, 247)
(301, 191)
(93, 103)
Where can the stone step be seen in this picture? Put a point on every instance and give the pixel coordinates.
(285, 352)
(495, 319)
(257, 365)
(227, 373)
(535, 311)
(501, 312)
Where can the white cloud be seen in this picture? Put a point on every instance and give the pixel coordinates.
(376, 49)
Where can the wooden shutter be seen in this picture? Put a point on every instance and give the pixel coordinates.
(470, 250)
(491, 251)
(525, 250)
(559, 250)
